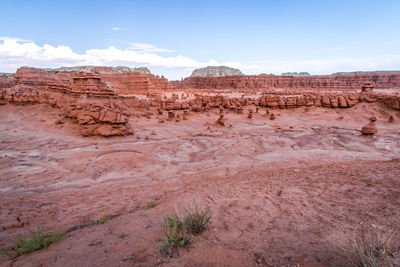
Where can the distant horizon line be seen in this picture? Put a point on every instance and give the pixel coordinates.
(145, 67)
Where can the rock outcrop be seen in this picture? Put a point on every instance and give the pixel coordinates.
(91, 96)
(297, 74)
(348, 81)
(102, 69)
(101, 99)
(216, 71)
(370, 128)
(367, 87)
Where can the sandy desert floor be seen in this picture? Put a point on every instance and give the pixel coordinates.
(282, 192)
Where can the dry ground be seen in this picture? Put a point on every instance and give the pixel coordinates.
(281, 192)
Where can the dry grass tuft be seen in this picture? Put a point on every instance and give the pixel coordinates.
(372, 249)
(177, 229)
(196, 219)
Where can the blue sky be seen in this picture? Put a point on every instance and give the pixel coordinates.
(175, 37)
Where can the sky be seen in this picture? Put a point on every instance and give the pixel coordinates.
(172, 38)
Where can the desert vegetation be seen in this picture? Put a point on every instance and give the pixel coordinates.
(38, 239)
(371, 248)
(177, 229)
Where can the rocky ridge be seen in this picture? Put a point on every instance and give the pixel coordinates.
(264, 82)
(100, 69)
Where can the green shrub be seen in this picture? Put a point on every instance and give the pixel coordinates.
(175, 235)
(177, 229)
(102, 220)
(152, 205)
(37, 240)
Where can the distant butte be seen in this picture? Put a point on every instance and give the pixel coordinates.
(216, 71)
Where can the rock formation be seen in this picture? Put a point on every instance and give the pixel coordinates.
(347, 81)
(221, 120)
(101, 99)
(370, 128)
(250, 114)
(101, 69)
(367, 87)
(215, 71)
(297, 74)
(88, 95)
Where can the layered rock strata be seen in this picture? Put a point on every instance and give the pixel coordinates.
(347, 81)
(101, 99)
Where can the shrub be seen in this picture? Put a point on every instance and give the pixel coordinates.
(37, 240)
(175, 235)
(123, 235)
(176, 228)
(102, 220)
(196, 219)
(371, 249)
(152, 205)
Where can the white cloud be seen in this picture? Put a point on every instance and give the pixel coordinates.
(13, 39)
(115, 28)
(15, 53)
(148, 48)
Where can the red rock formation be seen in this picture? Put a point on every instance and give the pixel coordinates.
(83, 96)
(136, 83)
(370, 128)
(345, 81)
(368, 86)
(101, 99)
(90, 84)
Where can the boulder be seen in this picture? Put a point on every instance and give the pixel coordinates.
(370, 128)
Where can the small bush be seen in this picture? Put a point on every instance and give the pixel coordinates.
(152, 205)
(371, 249)
(37, 240)
(196, 219)
(102, 220)
(176, 229)
(175, 235)
(5, 252)
(123, 235)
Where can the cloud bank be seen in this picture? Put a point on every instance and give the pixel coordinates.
(17, 52)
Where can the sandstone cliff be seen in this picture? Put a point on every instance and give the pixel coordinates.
(102, 69)
(353, 81)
